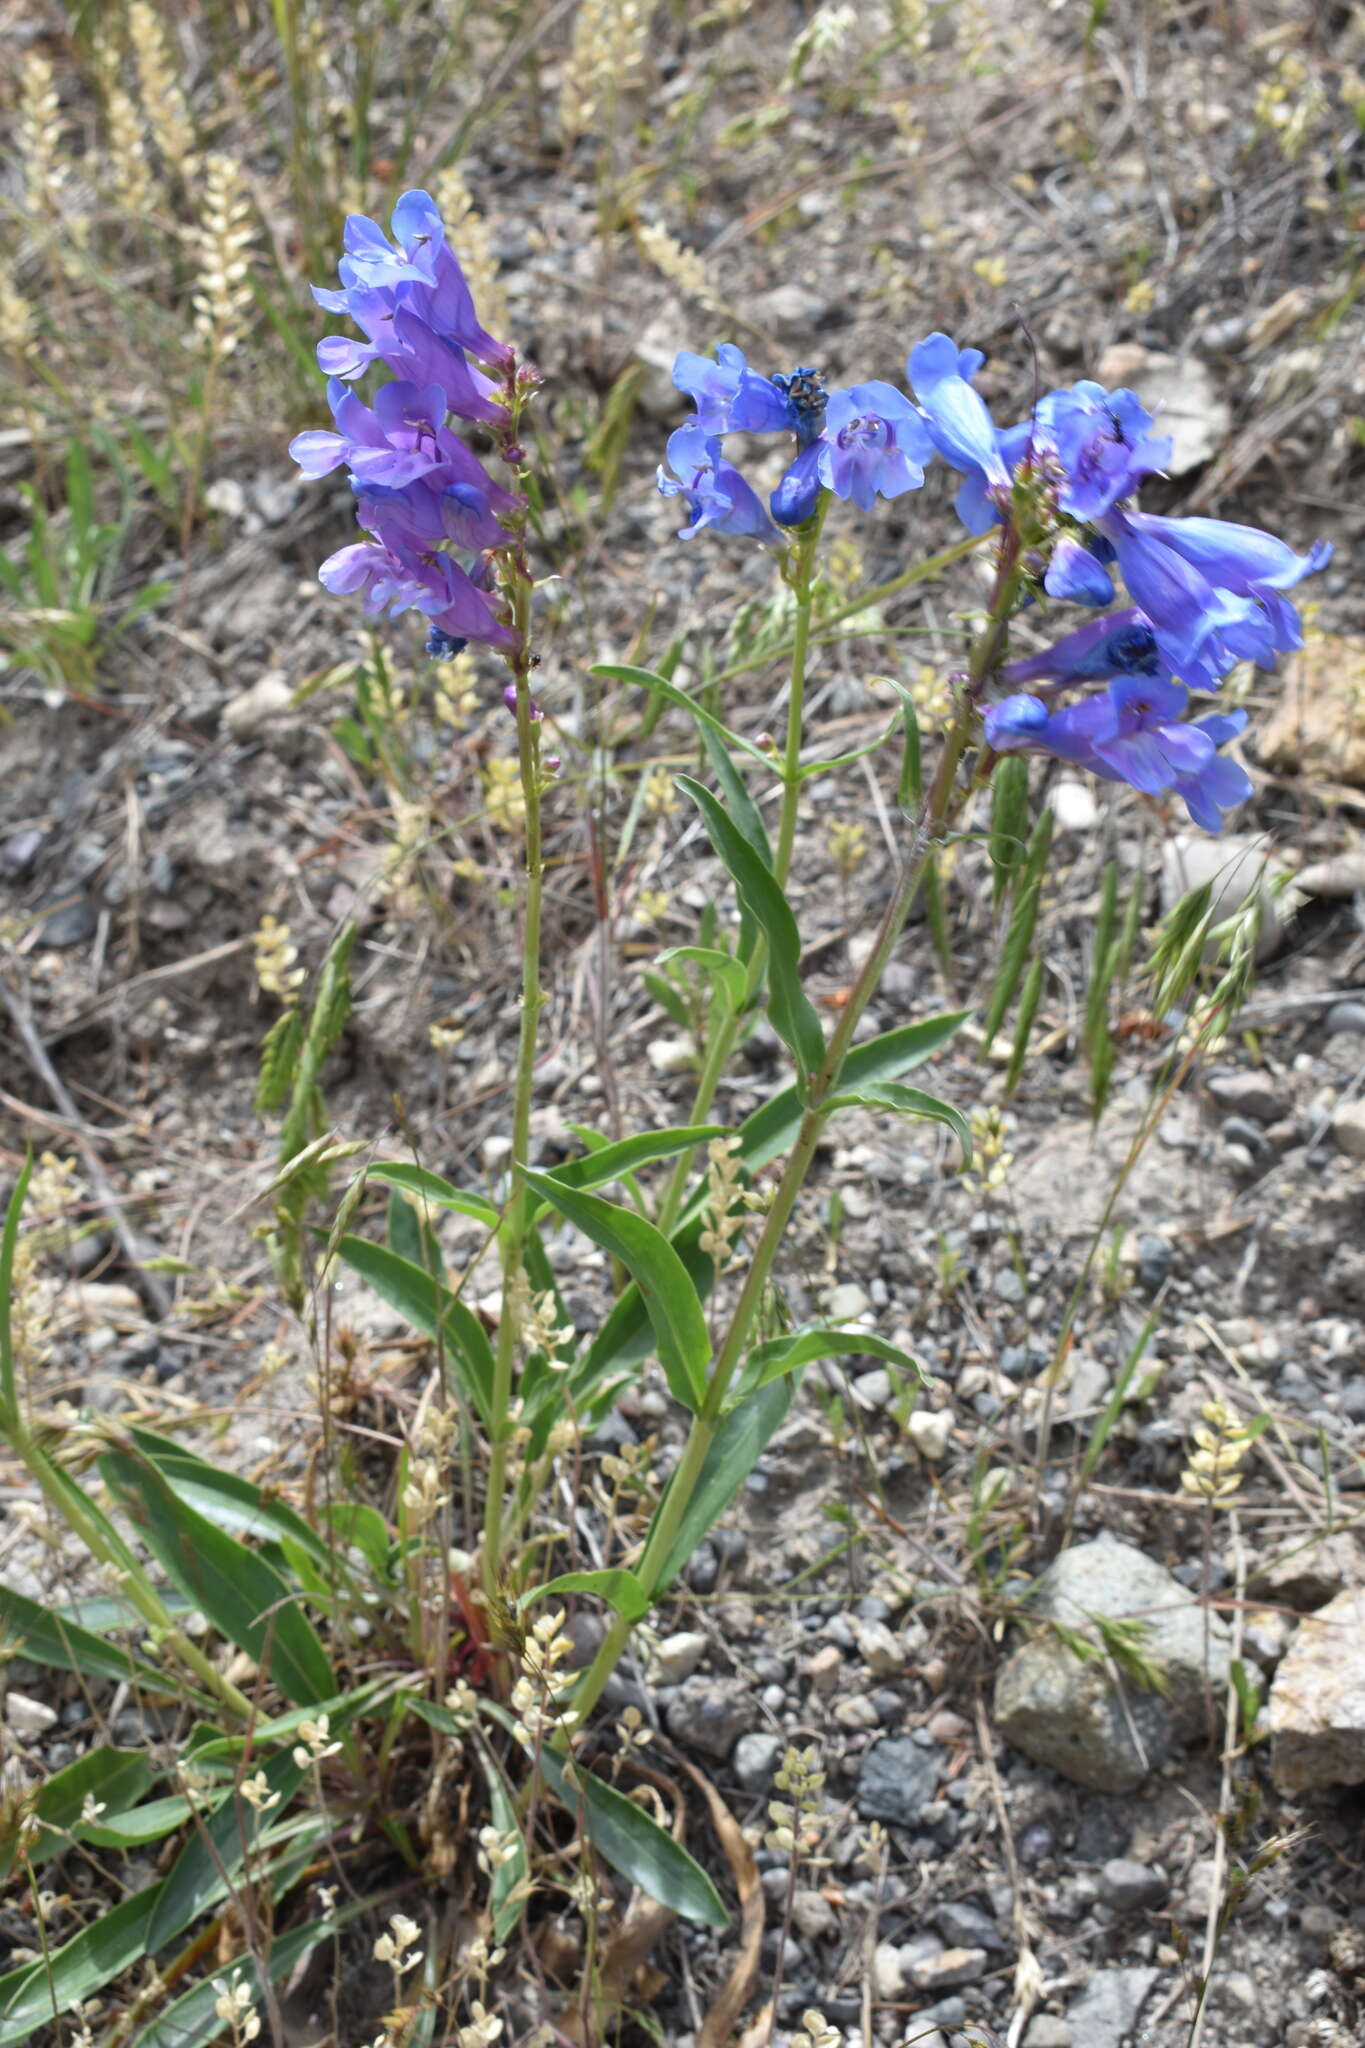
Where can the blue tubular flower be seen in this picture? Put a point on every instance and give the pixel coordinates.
(794, 402)
(1220, 785)
(797, 495)
(960, 426)
(1201, 630)
(1243, 559)
(713, 490)
(712, 386)
(1075, 576)
(1101, 444)
(1120, 644)
(874, 443)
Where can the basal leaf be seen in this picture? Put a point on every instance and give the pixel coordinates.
(111, 1777)
(241, 1593)
(48, 1638)
(625, 1836)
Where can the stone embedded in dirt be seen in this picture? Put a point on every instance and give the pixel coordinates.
(251, 711)
(28, 1718)
(755, 1760)
(1316, 1709)
(888, 1978)
(846, 1302)
(1045, 2030)
(677, 1657)
(883, 1655)
(1180, 391)
(897, 1778)
(671, 1055)
(1106, 2012)
(711, 1714)
(824, 1668)
(951, 1967)
(1235, 867)
(70, 924)
(1080, 1714)
(947, 1727)
(1311, 1574)
(965, 1926)
(1073, 807)
(929, 1430)
(1315, 727)
(1345, 1019)
(1348, 1129)
(1130, 1887)
(1340, 877)
(813, 1917)
(1249, 1094)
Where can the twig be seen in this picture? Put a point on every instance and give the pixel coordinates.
(155, 1297)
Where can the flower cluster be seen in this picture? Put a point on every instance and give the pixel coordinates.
(1202, 594)
(422, 496)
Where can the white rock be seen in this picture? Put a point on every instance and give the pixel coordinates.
(1348, 1128)
(888, 1978)
(929, 1430)
(677, 1657)
(846, 1302)
(269, 697)
(671, 1055)
(1316, 1709)
(28, 1718)
(496, 1151)
(878, 1648)
(1074, 808)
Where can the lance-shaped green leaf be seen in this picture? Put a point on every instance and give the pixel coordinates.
(792, 1013)
(151, 1822)
(429, 1187)
(228, 1834)
(112, 1778)
(614, 1161)
(646, 679)
(618, 1587)
(625, 1837)
(1014, 955)
(50, 1638)
(723, 968)
(1009, 817)
(430, 1306)
(911, 1102)
(1023, 1023)
(111, 1944)
(779, 1356)
(739, 1443)
(241, 1593)
(227, 1498)
(669, 1297)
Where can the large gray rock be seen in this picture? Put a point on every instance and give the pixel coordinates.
(1105, 2015)
(1080, 1714)
(1317, 1701)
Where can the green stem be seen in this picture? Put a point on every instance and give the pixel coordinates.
(721, 1044)
(928, 829)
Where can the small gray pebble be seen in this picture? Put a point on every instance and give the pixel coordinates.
(1007, 1286)
(1130, 1887)
(1345, 1017)
(755, 1759)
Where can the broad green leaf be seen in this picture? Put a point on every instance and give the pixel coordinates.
(619, 1588)
(147, 1823)
(48, 1638)
(782, 1355)
(671, 1000)
(241, 1593)
(191, 2021)
(111, 1944)
(429, 1187)
(208, 1747)
(429, 1306)
(613, 1162)
(645, 679)
(226, 1837)
(357, 1526)
(773, 1127)
(669, 1296)
(745, 812)
(634, 1845)
(911, 1102)
(740, 1442)
(226, 1498)
(722, 967)
(111, 1777)
(793, 1014)
(624, 1337)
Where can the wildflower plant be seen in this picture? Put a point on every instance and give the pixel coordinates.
(437, 1626)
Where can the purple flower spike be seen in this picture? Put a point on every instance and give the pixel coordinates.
(874, 444)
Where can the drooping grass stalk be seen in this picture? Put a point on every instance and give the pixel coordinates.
(932, 818)
(512, 1237)
(721, 1044)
